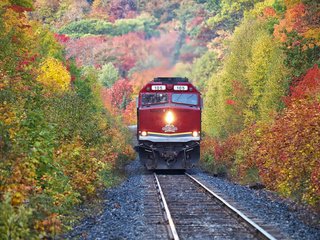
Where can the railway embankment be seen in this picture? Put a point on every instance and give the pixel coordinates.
(132, 210)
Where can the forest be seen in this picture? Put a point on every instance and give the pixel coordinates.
(70, 71)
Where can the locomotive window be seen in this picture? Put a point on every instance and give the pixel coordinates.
(191, 99)
(154, 98)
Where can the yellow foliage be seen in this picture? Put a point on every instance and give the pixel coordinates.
(11, 20)
(313, 33)
(4, 3)
(290, 3)
(54, 76)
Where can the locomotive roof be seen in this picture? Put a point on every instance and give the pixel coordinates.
(171, 79)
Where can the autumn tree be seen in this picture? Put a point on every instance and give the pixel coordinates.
(54, 75)
(120, 94)
(299, 35)
(54, 137)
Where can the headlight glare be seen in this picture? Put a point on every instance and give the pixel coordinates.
(195, 133)
(169, 117)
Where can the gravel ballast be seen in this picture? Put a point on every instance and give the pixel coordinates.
(124, 215)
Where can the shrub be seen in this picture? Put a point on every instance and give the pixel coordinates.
(15, 221)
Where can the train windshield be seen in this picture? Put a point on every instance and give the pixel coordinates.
(154, 98)
(185, 98)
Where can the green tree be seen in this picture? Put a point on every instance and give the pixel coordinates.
(266, 75)
(108, 75)
(230, 88)
(228, 13)
(203, 68)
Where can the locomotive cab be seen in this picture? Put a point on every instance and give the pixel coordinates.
(169, 124)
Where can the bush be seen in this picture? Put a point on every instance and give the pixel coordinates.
(15, 221)
(283, 155)
(288, 153)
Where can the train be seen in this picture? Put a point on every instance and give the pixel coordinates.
(169, 124)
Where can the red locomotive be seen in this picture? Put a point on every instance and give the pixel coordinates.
(169, 124)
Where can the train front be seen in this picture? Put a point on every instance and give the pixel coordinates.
(169, 124)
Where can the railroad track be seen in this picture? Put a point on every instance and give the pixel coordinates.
(193, 211)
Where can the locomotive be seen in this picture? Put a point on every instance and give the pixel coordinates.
(169, 124)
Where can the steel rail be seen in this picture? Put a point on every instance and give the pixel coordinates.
(259, 229)
(171, 223)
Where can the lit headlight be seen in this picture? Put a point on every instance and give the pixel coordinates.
(169, 117)
(144, 133)
(195, 134)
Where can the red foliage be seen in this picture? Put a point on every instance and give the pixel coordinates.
(61, 38)
(128, 49)
(85, 49)
(223, 153)
(288, 153)
(305, 87)
(120, 95)
(230, 102)
(27, 60)
(123, 51)
(20, 9)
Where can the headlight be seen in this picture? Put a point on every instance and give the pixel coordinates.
(144, 133)
(195, 133)
(169, 117)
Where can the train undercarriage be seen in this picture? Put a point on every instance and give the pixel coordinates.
(162, 155)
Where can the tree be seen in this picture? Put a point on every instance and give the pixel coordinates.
(54, 76)
(130, 113)
(108, 75)
(228, 13)
(120, 94)
(203, 68)
(266, 76)
(228, 90)
(299, 33)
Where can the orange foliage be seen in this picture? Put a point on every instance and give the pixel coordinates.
(299, 18)
(269, 12)
(139, 79)
(51, 224)
(130, 113)
(106, 99)
(288, 153)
